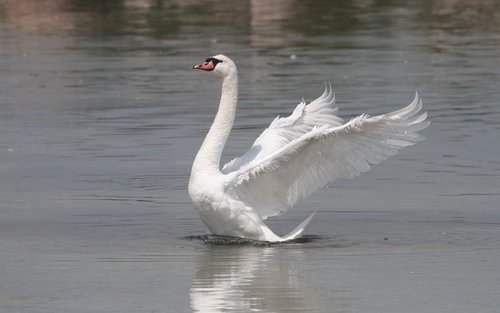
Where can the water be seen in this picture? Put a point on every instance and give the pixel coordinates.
(101, 116)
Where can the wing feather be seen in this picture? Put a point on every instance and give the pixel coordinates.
(284, 130)
(276, 181)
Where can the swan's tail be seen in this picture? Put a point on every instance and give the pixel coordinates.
(299, 230)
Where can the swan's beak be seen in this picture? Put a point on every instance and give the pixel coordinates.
(207, 66)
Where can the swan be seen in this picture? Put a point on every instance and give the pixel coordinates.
(295, 156)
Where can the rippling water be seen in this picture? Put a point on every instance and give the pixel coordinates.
(101, 116)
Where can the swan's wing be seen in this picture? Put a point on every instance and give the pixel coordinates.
(322, 155)
(284, 130)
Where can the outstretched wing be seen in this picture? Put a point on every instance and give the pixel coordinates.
(284, 130)
(323, 154)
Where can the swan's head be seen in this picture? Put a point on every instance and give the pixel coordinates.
(219, 64)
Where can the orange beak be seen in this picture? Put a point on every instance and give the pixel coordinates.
(207, 66)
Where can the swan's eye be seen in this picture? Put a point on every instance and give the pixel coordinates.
(214, 61)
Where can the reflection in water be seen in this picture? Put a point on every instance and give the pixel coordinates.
(267, 19)
(246, 278)
(269, 23)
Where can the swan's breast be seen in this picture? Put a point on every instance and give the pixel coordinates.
(221, 213)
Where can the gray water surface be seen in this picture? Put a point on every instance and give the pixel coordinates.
(101, 117)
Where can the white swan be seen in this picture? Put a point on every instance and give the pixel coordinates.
(292, 158)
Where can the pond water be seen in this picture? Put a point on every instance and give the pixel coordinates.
(101, 116)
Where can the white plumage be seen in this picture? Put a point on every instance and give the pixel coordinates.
(291, 159)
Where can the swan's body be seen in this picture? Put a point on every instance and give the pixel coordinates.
(292, 158)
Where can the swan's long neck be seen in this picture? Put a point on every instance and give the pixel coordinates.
(209, 155)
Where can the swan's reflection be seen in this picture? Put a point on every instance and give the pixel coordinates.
(246, 279)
